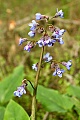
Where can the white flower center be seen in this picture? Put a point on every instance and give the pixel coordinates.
(59, 72)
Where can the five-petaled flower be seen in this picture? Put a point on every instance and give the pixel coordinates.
(33, 25)
(47, 57)
(35, 67)
(58, 72)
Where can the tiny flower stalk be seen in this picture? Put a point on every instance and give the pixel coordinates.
(33, 115)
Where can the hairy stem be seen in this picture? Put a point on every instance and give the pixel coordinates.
(33, 116)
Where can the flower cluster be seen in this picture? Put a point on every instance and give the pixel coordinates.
(49, 36)
(54, 65)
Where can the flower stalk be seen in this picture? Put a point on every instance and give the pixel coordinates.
(33, 115)
(49, 36)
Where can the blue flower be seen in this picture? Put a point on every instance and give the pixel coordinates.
(50, 42)
(58, 72)
(28, 47)
(20, 91)
(31, 33)
(21, 40)
(59, 13)
(60, 41)
(35, 67)
(46, 40)
(58, 33)
(47, 58)
(33, 25)
(42, 42)
(61, 32)
(67, 64)
(38, 16)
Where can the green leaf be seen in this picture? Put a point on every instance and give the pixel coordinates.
(15, 112)
(74, 91)
(10, 83)
(2, 110)
(52, 100)
(76, 104)
(79, 118)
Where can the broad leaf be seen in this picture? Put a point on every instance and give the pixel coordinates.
(52, 100)
(76, 104)
(15, 112)
(2, 110)
(74, 91)
(10, 83)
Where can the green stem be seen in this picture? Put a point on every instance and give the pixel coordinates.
(33, 115)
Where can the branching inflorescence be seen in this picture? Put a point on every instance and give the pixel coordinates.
(47, 39)
(49, 36)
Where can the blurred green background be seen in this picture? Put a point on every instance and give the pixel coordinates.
(14, 18)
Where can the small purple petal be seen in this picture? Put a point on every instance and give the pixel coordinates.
(20, 91)
(59, 13)
(21, 40)
(38, 16)
(58, 72)
(54, 73)
(47, 58)
(69, 64)
(34, 67)
(31, 34)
